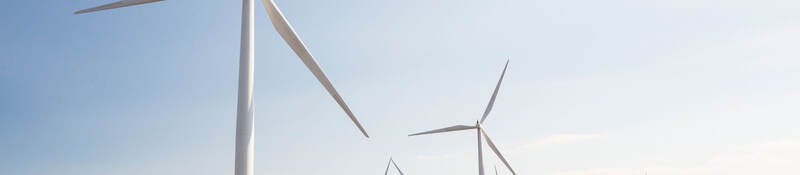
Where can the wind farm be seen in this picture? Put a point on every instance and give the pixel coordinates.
(204, 87)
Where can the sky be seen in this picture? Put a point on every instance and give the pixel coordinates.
(614, 87)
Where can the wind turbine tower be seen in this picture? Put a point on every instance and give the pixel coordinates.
(245, 129)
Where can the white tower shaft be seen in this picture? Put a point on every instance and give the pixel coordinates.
(480, 152)
(244, 108)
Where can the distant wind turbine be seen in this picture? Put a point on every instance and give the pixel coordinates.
(480, 130)
(244, 113)
(391, 162)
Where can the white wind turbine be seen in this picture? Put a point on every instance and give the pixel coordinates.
(391, 162)
(480, 130)
(244, 110)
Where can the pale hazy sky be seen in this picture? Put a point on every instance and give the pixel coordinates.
(614, 87)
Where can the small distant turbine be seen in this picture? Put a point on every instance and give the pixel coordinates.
(480, 130)
(391, 162)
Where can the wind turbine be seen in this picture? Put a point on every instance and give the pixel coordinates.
(244, 109)
(391, 162)
(480, 130)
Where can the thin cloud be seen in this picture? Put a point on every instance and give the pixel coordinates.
(556, 140)
(770, 157)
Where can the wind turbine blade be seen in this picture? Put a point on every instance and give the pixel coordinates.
(496, 151)
(495, 170)
(396, 167)
(287, 33)
(448, 129)
(118, 4)
(387, 167)
(494, 94)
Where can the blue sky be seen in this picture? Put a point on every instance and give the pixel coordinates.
(594, 87)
